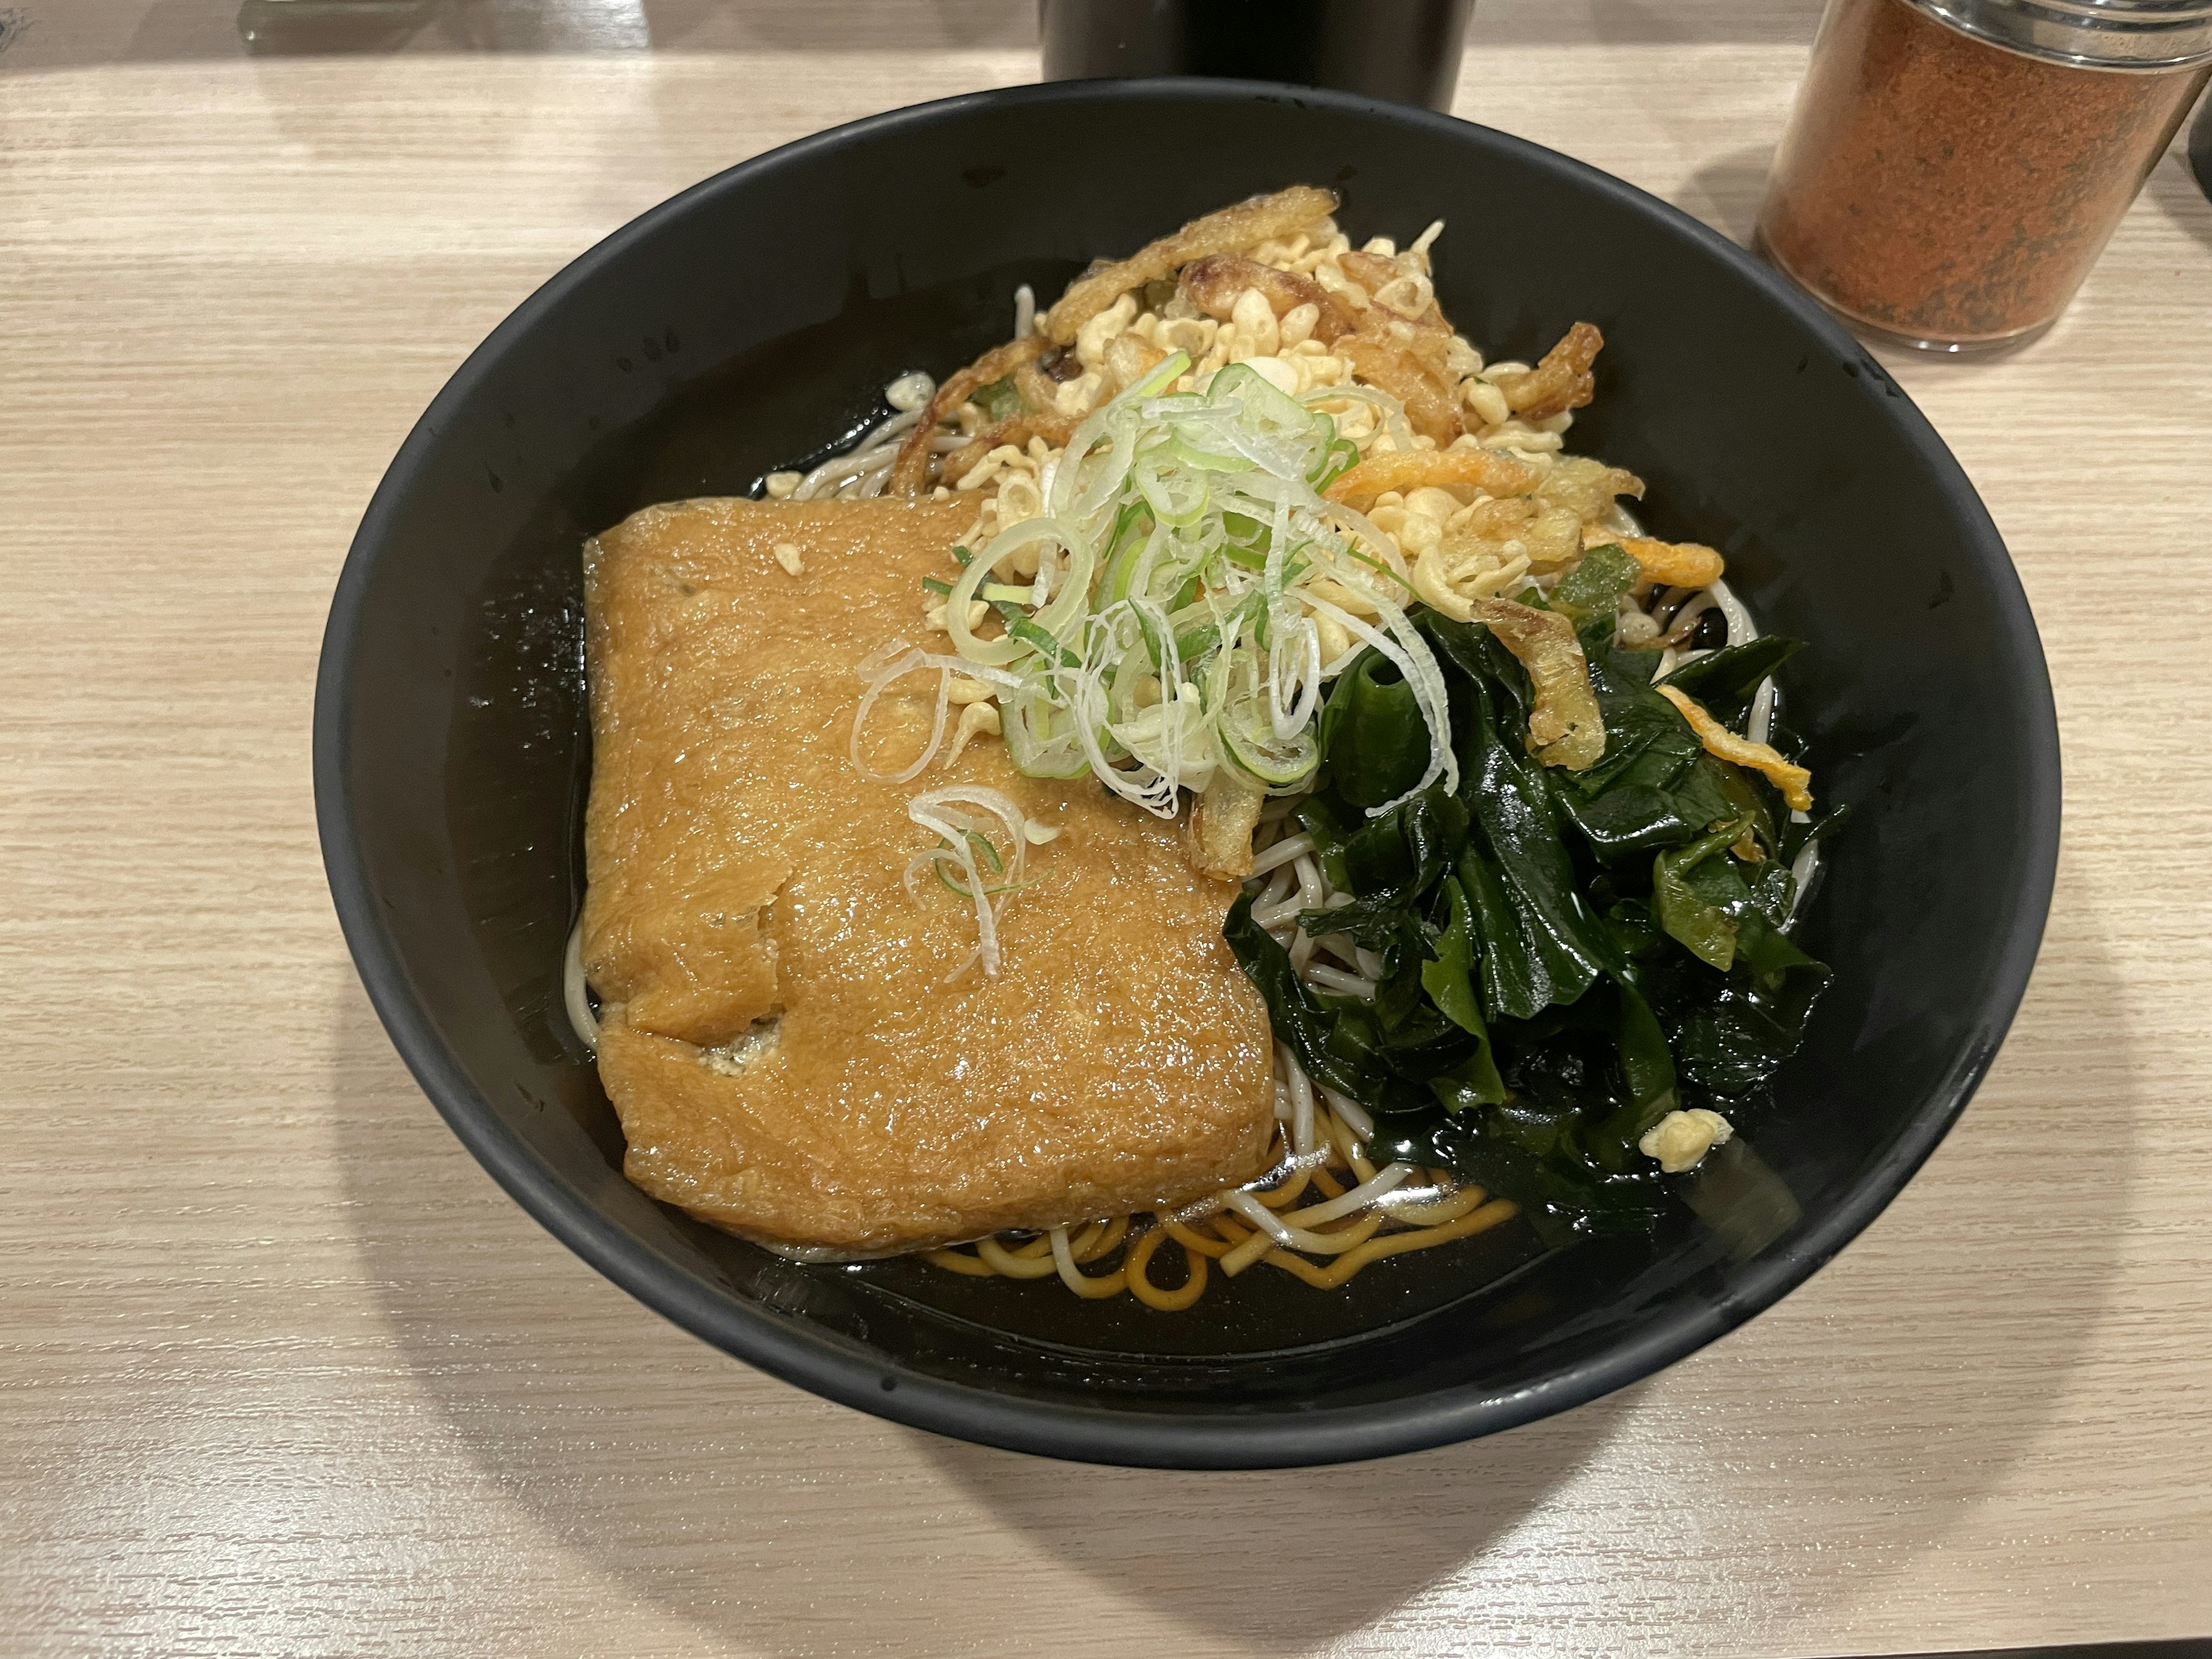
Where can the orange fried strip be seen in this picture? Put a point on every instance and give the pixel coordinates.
(1229, 230)
(1793, 781)
(909, 474)
(1562, 381)
(1483, 468)
(1671, 564)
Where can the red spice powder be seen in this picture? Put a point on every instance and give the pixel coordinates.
(1942, 188)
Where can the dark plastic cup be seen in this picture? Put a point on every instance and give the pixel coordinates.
(1406, 50)
(2200, 148)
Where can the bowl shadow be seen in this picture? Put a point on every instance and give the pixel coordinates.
(595, 1416)
(1725, 193)
(1212, 1553)
(744, 1507)
(2173, 188)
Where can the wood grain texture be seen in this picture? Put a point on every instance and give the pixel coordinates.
(287, 1375)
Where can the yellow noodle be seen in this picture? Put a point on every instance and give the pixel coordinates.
(1225, 1238)
(1235, 1233)
(1063, 1263)
(1017, 1267)
(1352, 1235)
(1140, 1257)
(1436, 1211)
(1339, 1133)
(1110, 1238)
(1359, 1200)
(959, 1261)
(1287, 1193)
(1340, 1271)
(1194, 1240)
(1103, 1285)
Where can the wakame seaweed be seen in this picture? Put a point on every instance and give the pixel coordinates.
(1372, 723)
(1565, 957)
(1725, 681)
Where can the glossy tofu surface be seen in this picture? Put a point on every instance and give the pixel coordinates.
(778, 1038)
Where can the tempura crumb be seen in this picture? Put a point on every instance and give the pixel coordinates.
(786, 555)
(1681, 1140)
(976, 717)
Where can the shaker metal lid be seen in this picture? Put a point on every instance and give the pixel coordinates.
(2113, 34)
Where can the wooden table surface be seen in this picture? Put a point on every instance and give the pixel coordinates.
(286, 1374)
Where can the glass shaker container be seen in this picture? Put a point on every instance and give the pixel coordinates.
(1954, 167)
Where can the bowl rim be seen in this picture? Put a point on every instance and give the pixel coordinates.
(842, 1370)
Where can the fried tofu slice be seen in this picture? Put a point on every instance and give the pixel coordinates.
(778, 1035)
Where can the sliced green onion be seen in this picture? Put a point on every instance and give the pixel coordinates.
(1182, 534)
(1019, 627)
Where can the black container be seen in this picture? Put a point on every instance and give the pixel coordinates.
(754, 317)
(1408, 49)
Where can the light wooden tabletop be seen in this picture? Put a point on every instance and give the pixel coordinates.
(286, 1374)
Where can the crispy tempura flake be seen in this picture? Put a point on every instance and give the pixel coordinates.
(1793, 781)
(1564, 727)
(1129, 358)
(1394, 366)
(1489, 469)
(909, 473)
(1587, 487)
(1387, 283)
(1217, 835)
(1449, 582)
(1230, 230)
(1561, 382)
(1040, 393)
(1214, 282)
(1015, 429)
(1545, 536)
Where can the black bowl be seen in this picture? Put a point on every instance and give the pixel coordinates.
(750, 321)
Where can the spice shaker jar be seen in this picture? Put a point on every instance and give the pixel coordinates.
(1954, 167)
